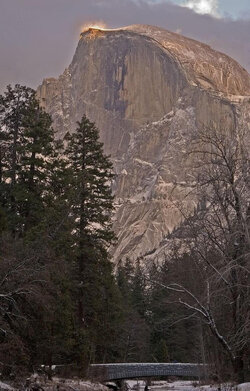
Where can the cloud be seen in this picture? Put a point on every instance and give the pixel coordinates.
(210, 7)
(39, 40)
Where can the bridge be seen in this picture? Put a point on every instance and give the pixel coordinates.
(109, 372)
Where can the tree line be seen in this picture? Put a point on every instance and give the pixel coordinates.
(61, 299)
(58, 294)
(212, 246)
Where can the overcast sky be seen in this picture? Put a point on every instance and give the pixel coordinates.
(38, 37)
(226, 8)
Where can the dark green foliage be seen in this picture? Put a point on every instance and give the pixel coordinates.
(134, 341)
(33, 265)
(155, 326)
(161, 351)
(26, 149)
(169, 322)
(90, 199)
(91, 173)
(138, 291)
(30, 254)
(60, 302)
(13, 105)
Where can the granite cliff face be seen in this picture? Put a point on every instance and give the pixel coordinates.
(147, 90)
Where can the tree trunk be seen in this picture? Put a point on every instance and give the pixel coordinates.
(238, 366)
(28, 217)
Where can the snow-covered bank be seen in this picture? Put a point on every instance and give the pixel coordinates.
(185, 386)
(40, 383)
(58, 384)
(5, 387)
(244, 387)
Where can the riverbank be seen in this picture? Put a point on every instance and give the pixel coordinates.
(186, 386)
(41, 383)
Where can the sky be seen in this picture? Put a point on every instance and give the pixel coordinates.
(38, 37)
(223, 8)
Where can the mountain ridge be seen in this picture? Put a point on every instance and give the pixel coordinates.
(160, 35)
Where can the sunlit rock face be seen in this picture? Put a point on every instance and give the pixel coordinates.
(147, 90)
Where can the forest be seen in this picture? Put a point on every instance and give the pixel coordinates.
(63, 301)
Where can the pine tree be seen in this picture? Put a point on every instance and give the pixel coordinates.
(124, 277)
(91, 207)
(37, 311)
(161, 351)
(138, 293)
(13, 105)
(134, 341)
(36, 156)
(26, 153)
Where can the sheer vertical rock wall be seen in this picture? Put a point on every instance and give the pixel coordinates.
(147, 90)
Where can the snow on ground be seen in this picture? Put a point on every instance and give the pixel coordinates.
(184, 386)
(81, 385)
(135, 385)
(174, 386)
(227, 387)
(244, 387)
(92, 386)
(56, 384)
(4, 386)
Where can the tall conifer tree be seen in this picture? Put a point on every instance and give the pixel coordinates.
(13, 104)
(26, 153)
(91, 201)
